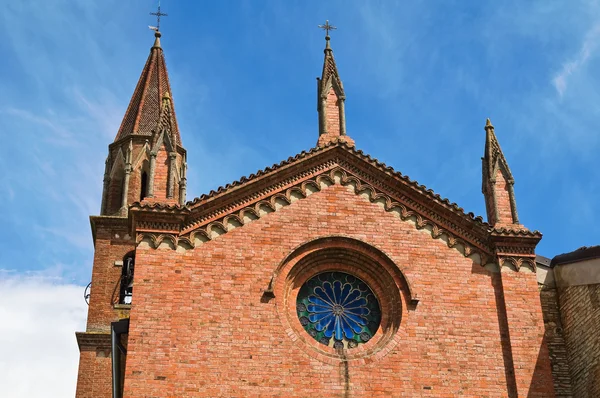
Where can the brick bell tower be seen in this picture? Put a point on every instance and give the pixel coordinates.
(146, 163)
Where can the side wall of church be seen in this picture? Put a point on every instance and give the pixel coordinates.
(580, 310)
(202, 326)
(555, 339)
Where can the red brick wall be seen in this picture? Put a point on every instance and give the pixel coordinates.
(135, 180)
(332, 114)
(94, 377)
(529, 351)
(111, 244)
(503, 200)
(161, 177)
(106, 278)
(115, 193)
(200, 325)
(332, 119)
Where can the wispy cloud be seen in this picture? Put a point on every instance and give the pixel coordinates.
(40, 318)
(588, 47)
(57, 129)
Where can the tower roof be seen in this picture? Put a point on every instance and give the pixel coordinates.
(493, 156)
(330, 76)
(144, 111)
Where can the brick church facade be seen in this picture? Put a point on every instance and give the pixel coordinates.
(328, 274)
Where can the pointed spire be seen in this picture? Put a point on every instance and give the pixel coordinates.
(330, 76)
(331, 98)
(493, 153)
(147, 153)
(497, 182)
(144, 110)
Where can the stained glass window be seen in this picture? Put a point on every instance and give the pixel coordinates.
(338, 310)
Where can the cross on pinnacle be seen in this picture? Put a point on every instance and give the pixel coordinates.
(327, 28)
(158, 14)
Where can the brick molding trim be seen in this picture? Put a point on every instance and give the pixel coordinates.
(336, 175)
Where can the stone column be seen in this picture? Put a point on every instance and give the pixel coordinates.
(342, 109)
(125, 188)
(183, 183)
(171, 176)
(323, 117)
(151, 174)
(126, 178)
(106, 182)
(513, 202)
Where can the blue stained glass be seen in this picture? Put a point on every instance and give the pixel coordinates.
(338, 309)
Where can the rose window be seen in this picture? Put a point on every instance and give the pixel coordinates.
(338, 310)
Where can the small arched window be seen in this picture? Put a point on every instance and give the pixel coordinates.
(144, 186)
(126, 286)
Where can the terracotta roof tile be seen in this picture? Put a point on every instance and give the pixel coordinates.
(143, 112)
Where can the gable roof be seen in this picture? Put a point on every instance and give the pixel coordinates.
(279, 182)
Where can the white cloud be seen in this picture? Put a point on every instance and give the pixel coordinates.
(39, 355)
(590, 43)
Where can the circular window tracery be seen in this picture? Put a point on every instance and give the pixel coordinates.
(338, 310)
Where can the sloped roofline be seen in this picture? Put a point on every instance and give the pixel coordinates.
(266, 173)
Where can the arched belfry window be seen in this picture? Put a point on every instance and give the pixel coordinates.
(338, 310)
(143, 185)
(126, 286)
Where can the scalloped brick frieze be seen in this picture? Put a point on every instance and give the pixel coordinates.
(517, 263)
(215, 228)
(253, 197)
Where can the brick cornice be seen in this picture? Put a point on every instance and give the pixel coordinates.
(250, 198)
(87, 340)
(108, 222)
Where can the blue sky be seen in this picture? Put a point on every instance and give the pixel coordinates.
(420, 77)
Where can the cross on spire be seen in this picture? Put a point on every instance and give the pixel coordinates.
(158, 14)
(327, 28)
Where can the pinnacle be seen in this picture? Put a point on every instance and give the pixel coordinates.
(488, 124)
(327, 44)
(157, 36)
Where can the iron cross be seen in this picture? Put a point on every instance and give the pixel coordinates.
(327, 27)
(158, 14)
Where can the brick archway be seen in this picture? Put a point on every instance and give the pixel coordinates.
(352, 256)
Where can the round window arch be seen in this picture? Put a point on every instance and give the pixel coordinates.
(337, 258)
